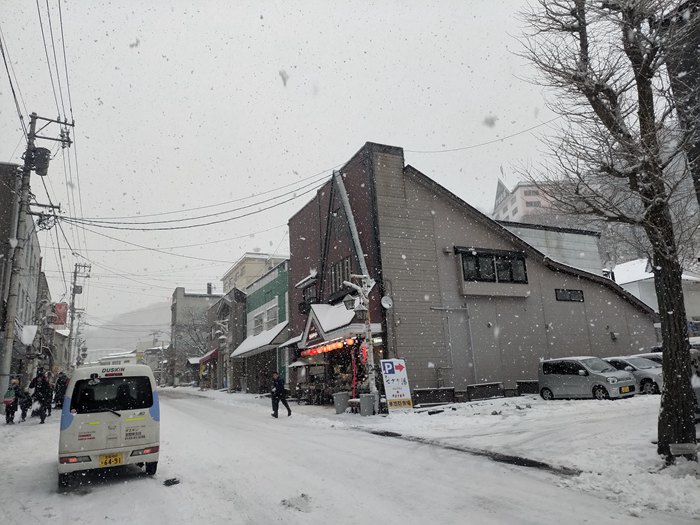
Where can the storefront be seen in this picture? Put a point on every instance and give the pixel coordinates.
(332, 355)
(261, 355)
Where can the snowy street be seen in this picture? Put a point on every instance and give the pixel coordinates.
(235, 464)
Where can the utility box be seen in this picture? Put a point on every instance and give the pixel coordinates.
(366, 404)
(340, 401)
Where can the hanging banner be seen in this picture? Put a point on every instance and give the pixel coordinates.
(398, 392)
(61, 311)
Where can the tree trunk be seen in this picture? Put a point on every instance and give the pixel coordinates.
(676, 415)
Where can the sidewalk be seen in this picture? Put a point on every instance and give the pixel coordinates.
(610, 442)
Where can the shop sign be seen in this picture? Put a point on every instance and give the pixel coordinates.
(398, 392)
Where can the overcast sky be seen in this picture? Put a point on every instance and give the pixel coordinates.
(187, 104)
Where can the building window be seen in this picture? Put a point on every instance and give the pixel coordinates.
(533, 204)
(258, 323)
(339, 272)
(531, 193)
(494, 267)
(569, 295)
(272, 316)
(514, 212)
(309, 294)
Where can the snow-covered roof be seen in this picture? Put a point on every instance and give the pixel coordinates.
(332, 317)
(256, 344)
(632, 271)
(190, 360)
(640, 270)
(64, 333)
(293, 340)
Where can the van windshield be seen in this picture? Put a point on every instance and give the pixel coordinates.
(111, 393)
(595, 364)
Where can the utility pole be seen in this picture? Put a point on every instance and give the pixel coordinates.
(36, 159)
(80, 270)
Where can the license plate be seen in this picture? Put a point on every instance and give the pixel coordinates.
(109, 460)
(624, 389)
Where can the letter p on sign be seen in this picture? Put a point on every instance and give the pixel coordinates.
(388, 367)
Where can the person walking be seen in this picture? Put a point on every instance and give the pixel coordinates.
(25, 403)
(42, 392)
(60, 390)
(278, 393)
(11, 401)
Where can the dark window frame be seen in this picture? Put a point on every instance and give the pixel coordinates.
(493, 266)
(569, 295)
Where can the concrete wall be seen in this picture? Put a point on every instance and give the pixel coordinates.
(453, 339)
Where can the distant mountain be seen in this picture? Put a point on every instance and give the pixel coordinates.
(125, 331)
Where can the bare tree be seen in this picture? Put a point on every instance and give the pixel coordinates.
(619, 155)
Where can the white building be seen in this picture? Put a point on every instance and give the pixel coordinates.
(637, 278)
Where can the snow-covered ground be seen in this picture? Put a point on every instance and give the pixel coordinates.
(610, 442)
(236, 464)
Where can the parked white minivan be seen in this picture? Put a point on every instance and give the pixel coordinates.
(110, 417)
(583, 377)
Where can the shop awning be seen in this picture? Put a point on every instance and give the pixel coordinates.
(190, 360)
(209, 356)
(264, 341)
(307, 361)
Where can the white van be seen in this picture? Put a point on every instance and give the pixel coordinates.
(110, 417)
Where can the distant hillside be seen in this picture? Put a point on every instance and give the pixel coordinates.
(128, 329)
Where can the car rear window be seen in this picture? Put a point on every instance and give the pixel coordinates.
(111, 393)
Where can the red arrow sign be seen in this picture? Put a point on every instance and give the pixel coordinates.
(399, 367)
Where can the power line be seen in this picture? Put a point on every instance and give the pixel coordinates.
(12, 88)
(65, 61)
(140, 216)
(190, 226)
(55, 59)
(152, 249)
(188, 245)
(48, 61)
(484, 143)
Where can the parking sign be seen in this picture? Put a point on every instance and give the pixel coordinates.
(398, 391)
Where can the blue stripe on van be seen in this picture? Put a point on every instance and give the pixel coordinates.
(66, 416)
(155, 408)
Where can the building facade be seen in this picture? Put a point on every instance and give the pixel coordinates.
(471, 302)
(248, 269)
(267, 310)
(227, 322)
(189, 331)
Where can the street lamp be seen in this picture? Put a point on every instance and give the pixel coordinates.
(362, 314)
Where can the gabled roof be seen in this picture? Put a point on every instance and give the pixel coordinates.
(410, 171)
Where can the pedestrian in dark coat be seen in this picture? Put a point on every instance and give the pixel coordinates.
(42, 392)
(25, 403)
(60, 390)
(11, 408)
(278, 393)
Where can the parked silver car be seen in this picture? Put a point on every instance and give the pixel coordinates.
(583, 377)
(647, 372)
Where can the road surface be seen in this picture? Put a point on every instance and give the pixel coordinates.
(238, 465)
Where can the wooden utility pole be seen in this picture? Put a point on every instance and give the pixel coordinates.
(80, 270)
(36, 159)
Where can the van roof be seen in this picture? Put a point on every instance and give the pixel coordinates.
(572, 358)
(84, 372)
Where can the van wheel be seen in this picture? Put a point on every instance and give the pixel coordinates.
(151, 468)
(546, 394)
(600, 393)
(649, 387)
(63, 481)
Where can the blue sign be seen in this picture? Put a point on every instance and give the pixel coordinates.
(388, 367)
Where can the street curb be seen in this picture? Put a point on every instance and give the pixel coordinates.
(494, 456)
